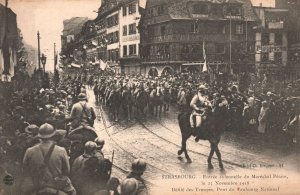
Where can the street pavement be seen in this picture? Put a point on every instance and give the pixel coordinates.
(157, 140)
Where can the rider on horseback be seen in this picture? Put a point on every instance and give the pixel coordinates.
(199, 104)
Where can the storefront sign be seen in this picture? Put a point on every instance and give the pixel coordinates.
(131, 38)
(275, 25)
(270, 48)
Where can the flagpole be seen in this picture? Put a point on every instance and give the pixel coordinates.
(54, 58)
(230, 44)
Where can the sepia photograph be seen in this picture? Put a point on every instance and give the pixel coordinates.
(149, 97)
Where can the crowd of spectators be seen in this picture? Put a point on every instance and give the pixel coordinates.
(34, 134)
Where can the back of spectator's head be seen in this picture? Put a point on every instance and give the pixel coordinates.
(32, 130)
(129, 186)
(100, 142)
(90, 147)
(138, 166)
(113, 183)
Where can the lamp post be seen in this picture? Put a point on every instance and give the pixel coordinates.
(39, 52)
(43, 60)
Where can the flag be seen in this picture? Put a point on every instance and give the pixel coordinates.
(204, 57)
(103, 65)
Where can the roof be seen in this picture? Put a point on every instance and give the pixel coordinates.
(178, 9)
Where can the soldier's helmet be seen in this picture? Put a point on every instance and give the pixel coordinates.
(90, 147)
(99, 141)
(129, 186)
(138, 166)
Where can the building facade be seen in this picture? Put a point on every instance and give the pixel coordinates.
(129, 37)
(293, 36)
(177, 36)
(112, 37)
(271, 41)
(71, 39)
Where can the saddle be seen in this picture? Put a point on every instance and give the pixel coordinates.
(196, 118)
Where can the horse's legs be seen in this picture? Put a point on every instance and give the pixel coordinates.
(186, 153)
(219, 157)
(212, 151)
(183, 149)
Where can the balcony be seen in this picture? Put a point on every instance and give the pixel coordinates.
(190, 37)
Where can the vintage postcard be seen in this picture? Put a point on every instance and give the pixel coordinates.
(158, 97)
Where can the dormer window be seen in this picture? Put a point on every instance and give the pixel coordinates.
(234, 10)
(200, 8)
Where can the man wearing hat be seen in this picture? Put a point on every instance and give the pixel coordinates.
(199, 103)
(82, 114)
(46, 161)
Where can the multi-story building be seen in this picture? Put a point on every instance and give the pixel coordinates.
(72, 27)
(293, 36)
(175, 33)
(100, 24)
(70, 37)
(113, 40)
(271, 41)
(129, 37)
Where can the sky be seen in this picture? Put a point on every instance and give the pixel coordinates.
(46, 16)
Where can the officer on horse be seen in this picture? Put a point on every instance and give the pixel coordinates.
(200, 105)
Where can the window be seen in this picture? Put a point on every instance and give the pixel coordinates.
(196, 49)
(234, 10)
(150, 12)
(112, 21)
(194, 27)
(221, 29)
(216, 10)
(132, 49)
(151, 31)
(132, 28)
(132, 8)
(265, 40)
(264, 57)
(113, 37)
(109, 55)
(220, 48)
(124, 10)
(239, 29)
(185, 48)
(278, 57)
(125, 30)
(278, 39)
(125, 50)
(200, 8)
(210, 48)
(163, 30)
(160, 10)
